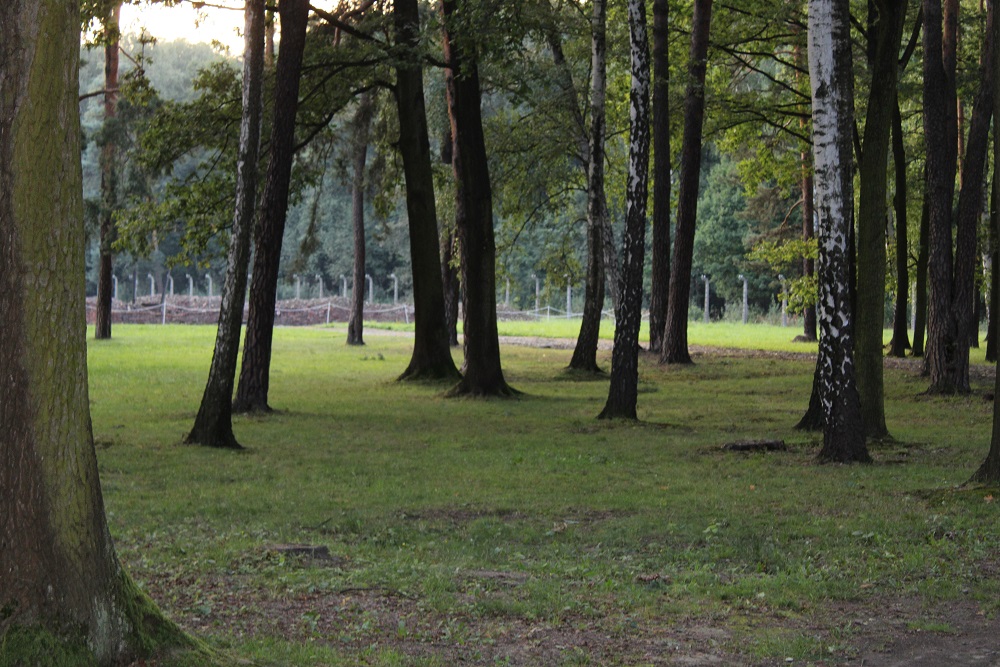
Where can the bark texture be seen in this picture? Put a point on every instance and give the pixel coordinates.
(473, 213)
(585, 353)
(109, 178)
(431, 357)
(213, 426)
(885, 33)
(660, 280)
(359, 152)
(255, 371)
(61, 585)
(900, 339)
(833, 104)
(920, 301)
(675, 346)
(623, 390)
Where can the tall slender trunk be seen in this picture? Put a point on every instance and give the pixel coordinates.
(109, 177)
(213, 425)
(585, 352)
(831, 79)
(994, 268)
(624, 386)
(920, 279)
(675, 347)
(941, 145)
(660, 287)
(450, 283)
(970, 201)
(900, 339)
(255, 372)
(473, 213)
(431, 356)
(359, 152)
(885, 33)
(63, 592)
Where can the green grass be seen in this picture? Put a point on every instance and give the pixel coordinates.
(461, 527)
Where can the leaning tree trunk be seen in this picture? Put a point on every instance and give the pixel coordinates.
(63, 594)
(255, 372)
(675, 346)
(109, 177)
(473, 213)
(970, 200)
(900, 339)
(623, 389)
(885, 35)
(359, 148)
(660, 280)
(920, 279)
(585, 353)
(989, 471)
(431, 358)
(941, 147)
(213, 426)
(833, 111)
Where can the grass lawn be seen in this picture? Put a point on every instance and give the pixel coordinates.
(526, 532)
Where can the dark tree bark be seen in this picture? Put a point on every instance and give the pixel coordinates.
(255, 372)
(109, 177)
(920, 301)
(900, 339)
(885, 34)
(450, 280)
(431, 357)
(473, 213)
(994, 277)
(585, 353)
(62, 588)
(213, 426)
(941, 145)
(359, 151)
(623, 389)
(832, 82)
(675, 347)
(660, 280)
(970, 200)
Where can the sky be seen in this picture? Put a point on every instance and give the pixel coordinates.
(183, 21)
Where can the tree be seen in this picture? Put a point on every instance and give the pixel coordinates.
(359, 156)
(585, 352)
(885, 32)
(675, 348)
(63, 594)
(255, 371)
(831, 80)
(989, 471)
(213, 425)
(109, 177)
(624, 386)
(473, 207)
(431, 356)
(660, 287)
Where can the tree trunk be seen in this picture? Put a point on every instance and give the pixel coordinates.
(213, 426)
(255, 372)
(109, 177)
(431, 357)
(623, 390)
(885, 33)
(994, 271)
(831, 79)
(450, 280)
(941, 148)
(900, 339)
(920, 301)
(675, 347)
(359, 148)
(473, 213)
(63, 594)
(660, 280)
(989, 471)
(585, 353)
(970, 200)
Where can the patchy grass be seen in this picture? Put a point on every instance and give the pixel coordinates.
(526, 531)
